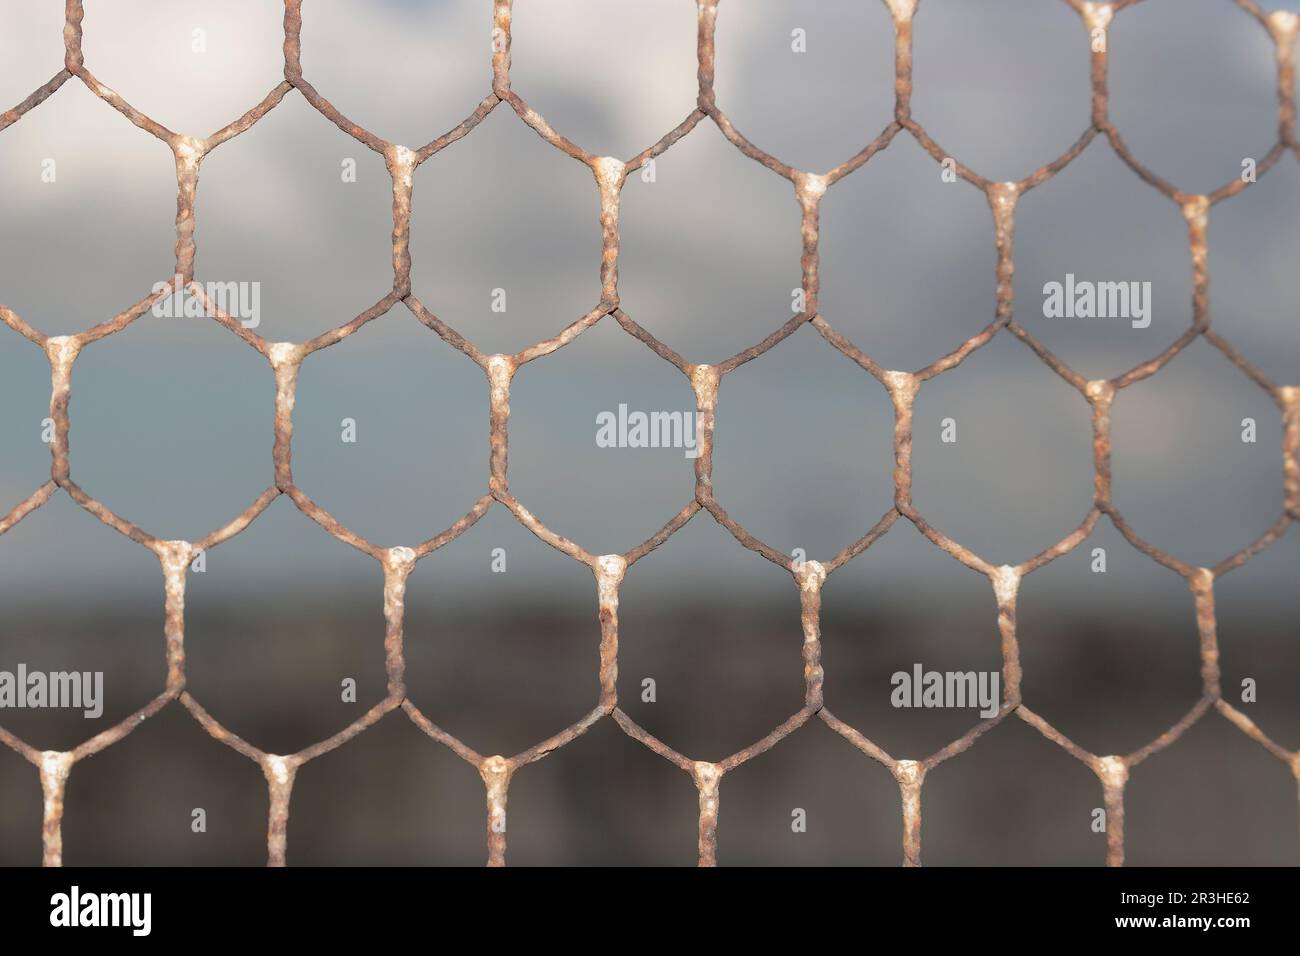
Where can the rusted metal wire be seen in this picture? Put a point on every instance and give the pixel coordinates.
(286, 358)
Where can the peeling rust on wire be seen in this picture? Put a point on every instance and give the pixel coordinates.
(706, 380)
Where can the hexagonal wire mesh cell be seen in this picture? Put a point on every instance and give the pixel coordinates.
(227, 307)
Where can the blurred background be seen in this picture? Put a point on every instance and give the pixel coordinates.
(171, 427)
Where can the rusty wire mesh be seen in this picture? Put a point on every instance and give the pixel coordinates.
(285, 359)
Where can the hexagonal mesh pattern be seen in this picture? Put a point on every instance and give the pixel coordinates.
(285, 359)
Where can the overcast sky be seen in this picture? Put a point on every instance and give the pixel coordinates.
(171, 419)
